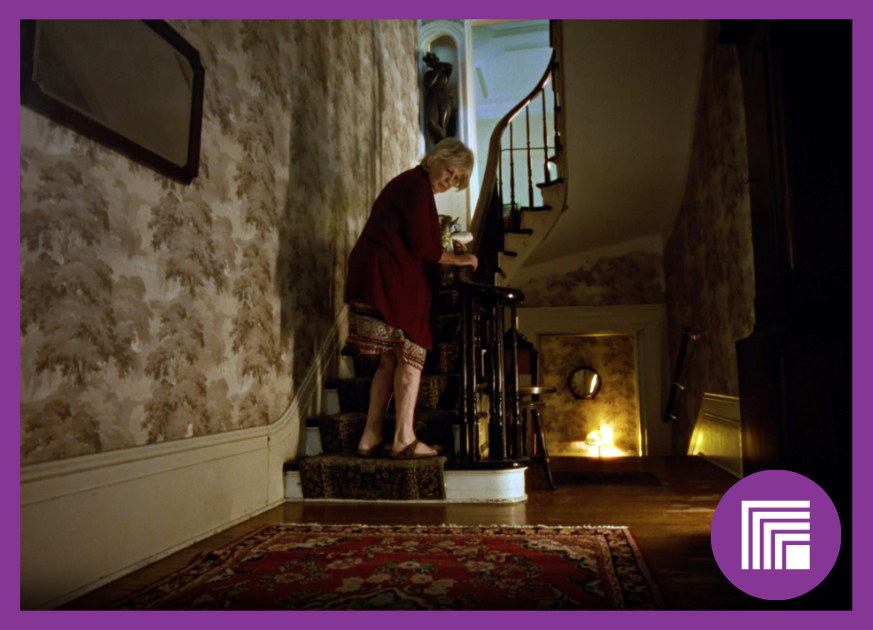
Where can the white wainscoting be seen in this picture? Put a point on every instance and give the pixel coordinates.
(717, 433)
(86, 521)
(648, 323)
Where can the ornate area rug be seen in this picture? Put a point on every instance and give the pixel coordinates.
(343, 567)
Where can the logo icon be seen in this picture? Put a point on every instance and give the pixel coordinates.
(775, 534)
(768, 521)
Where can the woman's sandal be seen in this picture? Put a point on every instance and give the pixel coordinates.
(373, 451)
(409, 452)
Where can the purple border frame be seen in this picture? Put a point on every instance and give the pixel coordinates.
(617, 9)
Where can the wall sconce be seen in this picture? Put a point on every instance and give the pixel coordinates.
(584, 383)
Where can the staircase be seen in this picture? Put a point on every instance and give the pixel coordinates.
(527, 224)
(534, 225)
(468, 401)
(337, 473)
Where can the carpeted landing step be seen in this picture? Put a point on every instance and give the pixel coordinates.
(346, 476)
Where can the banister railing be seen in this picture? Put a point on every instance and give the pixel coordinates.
(489, 179)
(489, 350)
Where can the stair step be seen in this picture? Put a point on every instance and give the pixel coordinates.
(449, 328)
(537, 209)
(445, 358)
(554, 182)
(437, 391)
(519, 231)
(449, 302)
(470, 482)
(342, 432)
(509, 253)
(371, 479)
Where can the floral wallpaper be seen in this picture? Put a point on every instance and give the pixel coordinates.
(636, 277)
(615, 410)
(153, 311)
(708, 260)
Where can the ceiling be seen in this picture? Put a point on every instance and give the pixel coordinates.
(630, 102)
(509, 57)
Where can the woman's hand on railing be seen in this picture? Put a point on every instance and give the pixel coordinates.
(461, 260)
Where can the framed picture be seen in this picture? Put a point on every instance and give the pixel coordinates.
(135, 86)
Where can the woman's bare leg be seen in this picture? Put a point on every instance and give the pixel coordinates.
(407, 380)
(380, 395)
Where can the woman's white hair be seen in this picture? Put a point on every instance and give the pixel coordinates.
(456, 155)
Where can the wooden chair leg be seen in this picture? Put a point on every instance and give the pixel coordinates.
(541, 444)
(527, 450)
(525, 440)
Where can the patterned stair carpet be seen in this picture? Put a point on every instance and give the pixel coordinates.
(342, 432)
(339, 474)
(342, 567)
(350, 477)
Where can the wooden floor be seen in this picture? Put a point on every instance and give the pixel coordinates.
(671, 521)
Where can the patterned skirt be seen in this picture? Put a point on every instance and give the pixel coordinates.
(369, 333)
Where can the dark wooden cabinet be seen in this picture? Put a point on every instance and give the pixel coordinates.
(795, 374)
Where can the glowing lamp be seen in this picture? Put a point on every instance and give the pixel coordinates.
(596, 438)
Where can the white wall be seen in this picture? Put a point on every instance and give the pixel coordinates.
(629, 108)
(519, 137)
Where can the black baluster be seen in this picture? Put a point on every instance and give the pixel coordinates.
(530, 201)
(516, 450)
(547, 173)
(555, 111)
(472, 418)
(500, 173)
(495, 426)
(466, 388)
(500, 381)
(511, 174)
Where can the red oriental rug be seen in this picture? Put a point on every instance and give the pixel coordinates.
(343, 567)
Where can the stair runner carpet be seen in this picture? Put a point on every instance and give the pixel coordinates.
(338, 473)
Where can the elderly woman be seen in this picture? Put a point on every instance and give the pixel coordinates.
(393, 275)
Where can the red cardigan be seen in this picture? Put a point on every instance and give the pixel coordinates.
(393, 266)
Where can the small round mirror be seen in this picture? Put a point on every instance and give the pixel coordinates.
(584, 383)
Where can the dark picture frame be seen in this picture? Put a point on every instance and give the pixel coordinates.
(35, 98)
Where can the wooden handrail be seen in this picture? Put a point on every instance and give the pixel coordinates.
(490, 176)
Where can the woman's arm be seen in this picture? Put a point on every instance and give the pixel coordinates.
(459, 260)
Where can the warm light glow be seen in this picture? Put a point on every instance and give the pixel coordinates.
(610, 451)
(599, 438)
(606, 449)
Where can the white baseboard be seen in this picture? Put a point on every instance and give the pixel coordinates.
(86, 521)
(462, 486)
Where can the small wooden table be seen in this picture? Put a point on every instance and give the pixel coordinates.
(536, 406)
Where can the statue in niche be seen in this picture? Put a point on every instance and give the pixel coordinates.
(439, 110)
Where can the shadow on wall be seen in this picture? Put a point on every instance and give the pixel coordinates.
(332, 182)
(307, 256)
(708, 257)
